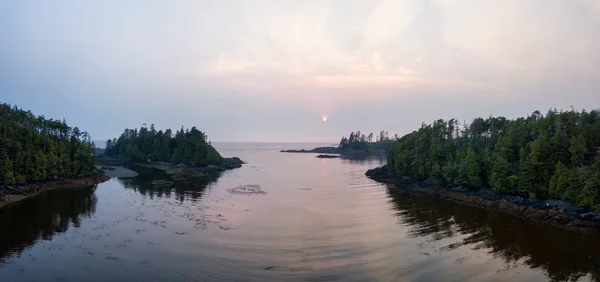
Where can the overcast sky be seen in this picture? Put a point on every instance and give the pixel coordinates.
(269, 70)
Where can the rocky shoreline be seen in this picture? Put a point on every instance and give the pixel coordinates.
(341, 153)
(556, 212)
(13, 194)
(327, 156)
(182, 172)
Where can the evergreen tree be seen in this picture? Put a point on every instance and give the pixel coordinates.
(34, 148)
(551, 156)
(186, 146)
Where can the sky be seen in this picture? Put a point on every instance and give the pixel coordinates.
(269, 70)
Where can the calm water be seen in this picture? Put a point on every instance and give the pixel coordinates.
(316, 220)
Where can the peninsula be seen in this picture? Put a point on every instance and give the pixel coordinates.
(38, 154)
(541, 167)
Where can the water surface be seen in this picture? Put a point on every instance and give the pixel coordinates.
(281, 217)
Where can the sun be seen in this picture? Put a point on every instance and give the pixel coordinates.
(324, 118)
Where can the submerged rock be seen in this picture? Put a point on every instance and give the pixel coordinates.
(250, 189)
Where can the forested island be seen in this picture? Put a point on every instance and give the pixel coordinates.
(181, 154)
(34, 149)
(184, 146)
(533, 158)
(357, 144)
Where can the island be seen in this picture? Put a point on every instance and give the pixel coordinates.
(541, 167)
(357, 145)
(182, 155)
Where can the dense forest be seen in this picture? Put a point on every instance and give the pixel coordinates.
(34, 148)
(360, 141)
(552, 156)
(185, 146)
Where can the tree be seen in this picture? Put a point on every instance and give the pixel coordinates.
(537, 156)
(35, 148)
(577, 149)
(186, 146)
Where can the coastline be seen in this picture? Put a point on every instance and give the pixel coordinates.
(341, 153)
(12, 195)
(554, 212)
(182, 172)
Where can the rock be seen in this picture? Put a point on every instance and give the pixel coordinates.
(460, 189)
(295, 151)
(320, 150)
(378, 171)
(572, 211)
(234, 162)
(250, 189)
(539, 205)
(431, 182)
(327, 156)
(556, 204)
(513, 199)
(489, 195)
(588, 216)
(214, 168)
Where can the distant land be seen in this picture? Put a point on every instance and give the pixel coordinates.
(356, 145)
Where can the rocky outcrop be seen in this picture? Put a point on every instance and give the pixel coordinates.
(318, 150)
(327, 156)
(351, 154)
(555, 212)
(13, 194)
(231, 163)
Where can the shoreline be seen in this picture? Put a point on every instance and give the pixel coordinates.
(554, 212)
(181, 172)
(12, 195)
(341, 153)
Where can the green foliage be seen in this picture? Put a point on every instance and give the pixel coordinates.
(367, 143)
(546, 156)
(186, 146)
(577, 149)
(33, 148)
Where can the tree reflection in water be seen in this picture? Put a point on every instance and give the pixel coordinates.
(563, 255)
(191, 189)
(40, 217)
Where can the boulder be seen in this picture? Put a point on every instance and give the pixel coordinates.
(234, 162)
(540, 205)
(489, 195)
(432, 181)
(460, 189)
(589, 216)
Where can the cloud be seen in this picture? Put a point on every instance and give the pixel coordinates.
(297, 58)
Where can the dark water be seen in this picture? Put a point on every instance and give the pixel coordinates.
(314, 220)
